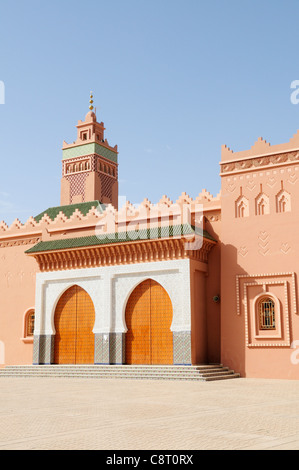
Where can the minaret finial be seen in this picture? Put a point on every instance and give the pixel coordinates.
(91, 101)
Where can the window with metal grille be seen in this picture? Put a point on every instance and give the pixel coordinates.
(267, 314)
(30, 323)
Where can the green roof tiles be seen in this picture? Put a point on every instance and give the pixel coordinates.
(122, 237)
(90, 148)
(83, 207)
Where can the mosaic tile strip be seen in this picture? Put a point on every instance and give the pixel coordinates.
(182, 348)
(87, 149)
(117, 348)
(101, 355)
(43, 349)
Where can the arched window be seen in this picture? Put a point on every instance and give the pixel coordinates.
(30, 323)
(28, 326)
(267, 314)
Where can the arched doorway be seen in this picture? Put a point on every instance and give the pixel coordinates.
(149, 339)
(74, 320)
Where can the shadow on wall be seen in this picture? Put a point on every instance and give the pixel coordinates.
(213, 307)
(233, 340)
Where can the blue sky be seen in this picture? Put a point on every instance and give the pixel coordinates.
(173, 80)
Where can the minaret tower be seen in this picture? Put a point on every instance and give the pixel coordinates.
(89, 165)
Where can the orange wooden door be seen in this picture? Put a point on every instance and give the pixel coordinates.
(85, 323)
(74, 319)
(148, 316)
(161, 319)
(138, 324)
(65, 326)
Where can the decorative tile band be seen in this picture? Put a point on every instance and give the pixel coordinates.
(117, 348)
(43, 349)
(110, 348)
(90, 148)
(101, 353)
(182, 348)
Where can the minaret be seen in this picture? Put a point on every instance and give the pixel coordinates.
(89, 165)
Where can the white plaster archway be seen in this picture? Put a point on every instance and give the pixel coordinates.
(109, 288)
(83, 286)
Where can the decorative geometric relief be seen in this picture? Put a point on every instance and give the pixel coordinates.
(262, 205)
(106, 185)
(285, 248)
(242, 207)
(77, 184)
(283, 201)
(292, 176)
(268, 302)
(271, 181)
(250, 184)
(230, 186)
(243, 251)
(240, 278)
(263, 243)
(274, 329)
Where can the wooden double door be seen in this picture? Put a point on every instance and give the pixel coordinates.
(149, 313)
(74, 321)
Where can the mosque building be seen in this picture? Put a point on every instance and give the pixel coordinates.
(211, 280)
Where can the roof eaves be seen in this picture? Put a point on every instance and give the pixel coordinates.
(122, 237)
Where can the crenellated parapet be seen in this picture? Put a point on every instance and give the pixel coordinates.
(261, 155)
(87, 219)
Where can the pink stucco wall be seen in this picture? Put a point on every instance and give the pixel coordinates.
(259, 254)
(17, 294)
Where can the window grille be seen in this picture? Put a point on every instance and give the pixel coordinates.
(30, 323)
(267, 314)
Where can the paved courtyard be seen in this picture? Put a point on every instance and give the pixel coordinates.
(47, 413)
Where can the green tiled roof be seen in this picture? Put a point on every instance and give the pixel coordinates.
(122, 237)
(84, 208)
(91, 148)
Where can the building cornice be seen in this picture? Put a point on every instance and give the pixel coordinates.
(140, 251)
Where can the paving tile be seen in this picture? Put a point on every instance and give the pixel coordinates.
(51, 413)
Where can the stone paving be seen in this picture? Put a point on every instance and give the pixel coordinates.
(113, 414)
